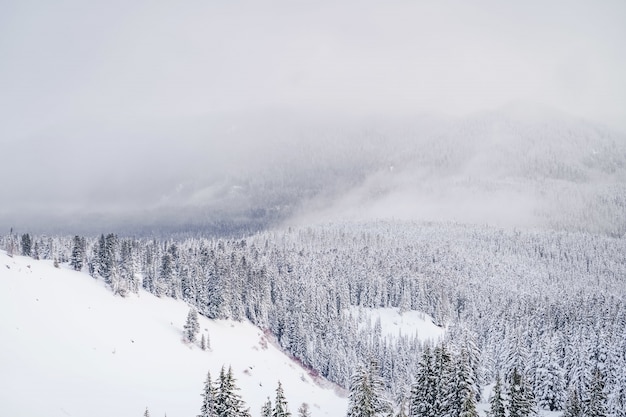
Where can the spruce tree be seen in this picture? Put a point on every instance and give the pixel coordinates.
(367, 393)
(521, 398)
(304, 410)
(228, 403)
(596, 404)
(573, 406)
(266, 410)
(192, 326)
(26, 244)
(280, 405)
(445, 390)
(465, 403)
(423, 391)
(78, 253)
(209, 396)
(549, 383)
(496, 402)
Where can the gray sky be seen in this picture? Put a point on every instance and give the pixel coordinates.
(138, 86)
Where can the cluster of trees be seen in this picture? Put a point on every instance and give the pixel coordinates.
(548, 304)
(220, 398)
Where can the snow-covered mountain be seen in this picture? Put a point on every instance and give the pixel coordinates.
(71, 348)
(517, 165)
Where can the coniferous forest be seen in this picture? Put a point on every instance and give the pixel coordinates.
(538, 316)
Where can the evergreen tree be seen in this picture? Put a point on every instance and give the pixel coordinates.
(228, 403)
(596, 404)
(366, 393)
(78, 253)
(423, 391)
(127, 268)
(521, 399)
(36, 251)
(573, 406)
(280, 404)
(465, 402)
(209, 396)
(146, 413)
(496, 401)
(192, 326)
(304, 411)
(549, 383)
(445, 390)
(26, 244)
(266, 410)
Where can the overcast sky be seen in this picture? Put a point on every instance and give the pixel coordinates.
(98, 83)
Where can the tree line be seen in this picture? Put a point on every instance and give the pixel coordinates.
(547, 304)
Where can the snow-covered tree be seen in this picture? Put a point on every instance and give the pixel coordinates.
(304, 410)
(266, 410)
(281, 408)
(424, 390)
(367, 398)
(573, 406)
(496, 402)
(228, 402)
(521, 399)
(595, 406)
(78, 253)
(26, 244)
(192, 326)
(209, 396)
(465, 398)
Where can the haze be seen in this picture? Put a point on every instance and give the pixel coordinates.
(155, 110)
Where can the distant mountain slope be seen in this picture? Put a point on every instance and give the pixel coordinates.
(512, 167)
(235, 174)
(71, 348)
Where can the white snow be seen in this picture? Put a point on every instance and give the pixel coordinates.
(69, 347)
(394, 322)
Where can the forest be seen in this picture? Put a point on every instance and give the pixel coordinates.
(534, 312)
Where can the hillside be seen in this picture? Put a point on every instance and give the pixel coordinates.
(71, 348)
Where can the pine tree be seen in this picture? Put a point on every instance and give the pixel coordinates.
(596, 404)
(146, 413)
(209, 396)
(423, 391)
(496, 402)
(521, 399)
(465, 403)
(266, 410)
(304, 411)
(366, 393)
(445, 389)
(26, 244)
(228, 403)
(192, 326)
(549, 383)
(280, 404)
(78, 253)
(573, 406)
(11, 244)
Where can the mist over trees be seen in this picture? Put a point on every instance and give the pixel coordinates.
(510, 167)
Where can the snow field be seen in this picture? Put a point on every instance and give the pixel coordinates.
(69, 347)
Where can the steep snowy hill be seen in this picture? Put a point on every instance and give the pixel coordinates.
(70, 348)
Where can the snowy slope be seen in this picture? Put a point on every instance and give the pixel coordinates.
(394, 323)
(70, 348)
